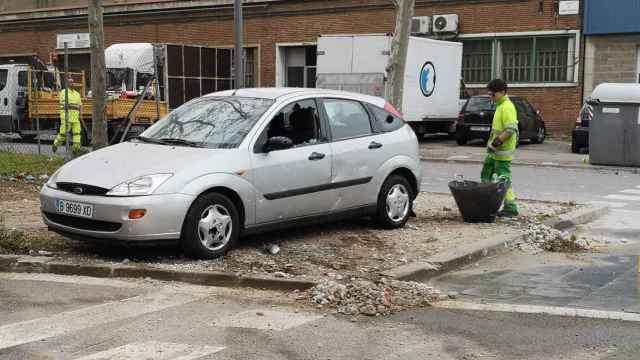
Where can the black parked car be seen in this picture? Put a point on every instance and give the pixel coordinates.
(476, 118)
(580, 134)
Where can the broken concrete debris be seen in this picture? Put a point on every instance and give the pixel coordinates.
(361, 297)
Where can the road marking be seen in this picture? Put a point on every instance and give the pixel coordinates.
(631, 191)
(71, 321)
(80, 280)
(538, 309)
(623, 197)
(266, 320)
(153, 350)
(610, 204)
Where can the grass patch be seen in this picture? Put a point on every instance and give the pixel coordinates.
(12, 164)
(18, 242)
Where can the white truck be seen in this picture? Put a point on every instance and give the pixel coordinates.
(432, 79)
(13, 86)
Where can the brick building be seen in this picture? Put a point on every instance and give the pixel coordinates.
(527, 42)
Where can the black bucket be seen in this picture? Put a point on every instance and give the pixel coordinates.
(478, 202)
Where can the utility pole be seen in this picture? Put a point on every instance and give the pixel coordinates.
(67, 123)
(98, 85)
(239, 53)
(399, 47)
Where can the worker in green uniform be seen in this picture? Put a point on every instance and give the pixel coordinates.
(74, 104)
(502, 143)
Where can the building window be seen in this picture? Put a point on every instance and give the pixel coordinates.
(516, 60)
(537, 59)
(477, 61)
(552, 64)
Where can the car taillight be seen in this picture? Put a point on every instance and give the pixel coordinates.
(393, 111)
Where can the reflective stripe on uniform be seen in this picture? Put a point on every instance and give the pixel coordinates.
(504, 153)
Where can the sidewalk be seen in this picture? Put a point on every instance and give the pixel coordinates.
(552, 153)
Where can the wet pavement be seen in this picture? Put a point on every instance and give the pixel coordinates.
(590, 281)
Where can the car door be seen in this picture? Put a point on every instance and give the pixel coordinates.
(6, 110)
(357, 151)
(293, 182)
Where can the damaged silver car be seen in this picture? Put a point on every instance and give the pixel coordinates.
(240, 162)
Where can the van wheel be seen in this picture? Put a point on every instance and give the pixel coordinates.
(211, 228)
(462, 137)
(394, 203)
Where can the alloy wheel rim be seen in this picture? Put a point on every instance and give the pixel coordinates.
(398, 203)
(215, 227)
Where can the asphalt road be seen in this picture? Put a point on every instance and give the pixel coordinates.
(74, 318)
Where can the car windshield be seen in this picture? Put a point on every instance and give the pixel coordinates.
(480, 103)
(117, 77)
(214, 122)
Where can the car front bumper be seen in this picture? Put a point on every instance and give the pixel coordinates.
(163, 219)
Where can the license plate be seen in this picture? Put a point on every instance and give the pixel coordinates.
(480, 128)
(74, 209)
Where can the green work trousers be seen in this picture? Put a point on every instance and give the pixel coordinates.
(501, 169)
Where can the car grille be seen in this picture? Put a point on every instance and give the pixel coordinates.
(83, 224)
(81, 189)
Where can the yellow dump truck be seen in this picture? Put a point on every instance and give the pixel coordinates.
(43, 107)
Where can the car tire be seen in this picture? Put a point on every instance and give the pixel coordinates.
(541, 134)
(462, 137)
(397, 191)
(213, 218)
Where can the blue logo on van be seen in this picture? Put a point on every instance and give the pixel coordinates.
(428, 79)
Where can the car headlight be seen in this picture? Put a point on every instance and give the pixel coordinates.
(143, 185)
(51, 183)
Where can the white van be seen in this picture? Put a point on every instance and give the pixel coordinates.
(13, 89)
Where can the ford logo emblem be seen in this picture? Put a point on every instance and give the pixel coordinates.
(428, 79)
(78, 190)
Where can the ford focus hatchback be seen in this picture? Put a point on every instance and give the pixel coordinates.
(239, 162)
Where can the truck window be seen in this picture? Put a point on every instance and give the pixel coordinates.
(3, 78)
(23, 78)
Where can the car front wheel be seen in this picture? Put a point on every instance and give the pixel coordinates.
(540, 136)
(211, 228)
(394, 202)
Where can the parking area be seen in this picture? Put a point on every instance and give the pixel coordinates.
(553, 152)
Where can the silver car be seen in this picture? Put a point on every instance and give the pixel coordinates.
(239, 162)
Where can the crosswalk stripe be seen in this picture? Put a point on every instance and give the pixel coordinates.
(608, 203)
(266, 320)
(71, 321)
(623, 197)
(631, 191)
(154, 350)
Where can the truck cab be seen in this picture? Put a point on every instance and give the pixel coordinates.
(13, 89)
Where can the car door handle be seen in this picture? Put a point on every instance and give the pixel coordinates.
(374, 145)
(316, 156)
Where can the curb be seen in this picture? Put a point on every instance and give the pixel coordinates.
(36, 264)
(538, 165)
(454, 259)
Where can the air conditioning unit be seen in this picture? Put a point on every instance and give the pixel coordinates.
(421, 25)
(445, 23)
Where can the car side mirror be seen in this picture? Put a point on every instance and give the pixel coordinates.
(278, 143)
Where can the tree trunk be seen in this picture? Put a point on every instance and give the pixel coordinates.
(398, 57)
(98, 74)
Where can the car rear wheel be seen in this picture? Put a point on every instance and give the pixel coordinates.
(540, 136)
(211, 228)
(394, 203)
(462, 137)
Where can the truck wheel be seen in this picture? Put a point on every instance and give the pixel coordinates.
(211, 228)
(462, 137)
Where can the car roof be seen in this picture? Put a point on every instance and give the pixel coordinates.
(276, 93)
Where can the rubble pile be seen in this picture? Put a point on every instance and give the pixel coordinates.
(360, 297)
(539, 237)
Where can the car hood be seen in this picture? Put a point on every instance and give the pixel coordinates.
(116, 164)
